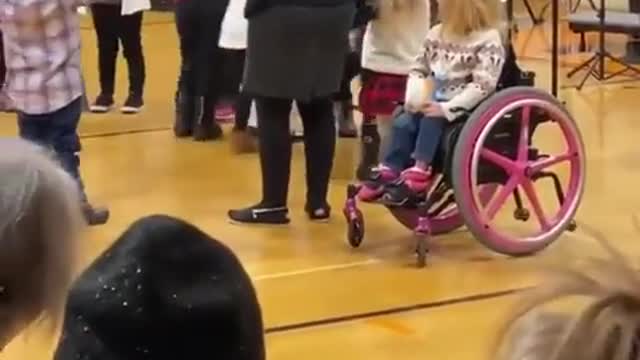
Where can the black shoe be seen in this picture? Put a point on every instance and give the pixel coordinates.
(369, 151)
(321, 213)
(133, 104)
(103, 104)
(398, 194)
(259, 214)
(183, 122)
(205, 127)
(95, 215)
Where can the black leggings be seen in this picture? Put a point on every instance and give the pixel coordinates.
(275, 148)
(112, 28)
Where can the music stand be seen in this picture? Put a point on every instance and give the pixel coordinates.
(595, 65)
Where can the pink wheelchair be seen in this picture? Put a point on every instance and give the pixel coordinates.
(484, 159)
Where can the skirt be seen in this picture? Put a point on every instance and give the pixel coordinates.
(381, 93)
(297, 52)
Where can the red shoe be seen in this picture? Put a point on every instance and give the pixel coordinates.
(373, 189)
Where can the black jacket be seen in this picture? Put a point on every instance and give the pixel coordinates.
(164, 291)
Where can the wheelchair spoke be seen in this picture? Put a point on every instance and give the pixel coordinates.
(498, 201)
(504, 162)
(540, 165)
(523, 143)
(529, 189)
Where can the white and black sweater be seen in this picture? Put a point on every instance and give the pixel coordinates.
(464, 72)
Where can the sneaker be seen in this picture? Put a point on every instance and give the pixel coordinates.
(132, 105)
(373, 189)
(411, 189)
(95, 215)
(259, 214)
(103, 104)
(320, 214)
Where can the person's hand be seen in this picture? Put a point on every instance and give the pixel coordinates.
(433, 109)
(411, 108)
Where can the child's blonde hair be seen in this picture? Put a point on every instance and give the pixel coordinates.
(606, 327)
(40, 219)
(462, 17)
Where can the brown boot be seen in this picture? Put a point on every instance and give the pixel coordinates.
(243, 142)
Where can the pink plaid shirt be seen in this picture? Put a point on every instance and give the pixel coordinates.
(42, 53)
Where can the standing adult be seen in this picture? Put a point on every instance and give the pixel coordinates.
(119, 21)
(296, 52)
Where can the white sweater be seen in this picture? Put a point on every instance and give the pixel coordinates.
(464, 72)
(233, 32)
(395, 37)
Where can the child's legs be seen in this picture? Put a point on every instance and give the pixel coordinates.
(428, 139)
(403, 139)
(130, 35)
(57, 131)
(106, 21)
(188, 30)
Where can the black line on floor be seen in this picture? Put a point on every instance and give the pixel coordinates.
(125, 132)
(392, 311)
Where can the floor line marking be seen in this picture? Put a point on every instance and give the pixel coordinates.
(285, 274)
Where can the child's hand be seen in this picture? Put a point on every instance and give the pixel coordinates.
(411, 108)
(433, 109)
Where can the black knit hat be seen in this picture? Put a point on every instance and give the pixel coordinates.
(164, 290)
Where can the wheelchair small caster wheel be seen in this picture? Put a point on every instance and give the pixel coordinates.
(355, 231)
(421, 250)
(521, 214)
(572, 226)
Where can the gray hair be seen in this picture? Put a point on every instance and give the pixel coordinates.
(40, 217)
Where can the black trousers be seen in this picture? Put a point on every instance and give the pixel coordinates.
(275, 148)
(351, 69)
(198, 23)
(113, 28)
(231, 82)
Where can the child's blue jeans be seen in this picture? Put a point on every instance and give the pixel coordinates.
(57, 131)
(414, 137)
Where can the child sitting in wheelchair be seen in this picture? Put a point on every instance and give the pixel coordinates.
(460, 64)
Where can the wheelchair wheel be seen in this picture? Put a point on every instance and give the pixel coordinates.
(521, 166)
(448, 221)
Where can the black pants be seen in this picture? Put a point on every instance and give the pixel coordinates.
(275, 148)
(231, 82)
(112, 28)
(198, 23)
(3, 65)
(351, 69)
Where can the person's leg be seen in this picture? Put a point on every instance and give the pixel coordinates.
(130, 35)
(58, 131)
(188, 30)
(398, 154)
(319, 147)
(417, 180)
(275, 161)
(207, 72)
(106, 22)
(343, 99)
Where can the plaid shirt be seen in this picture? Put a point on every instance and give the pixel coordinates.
(42, 53)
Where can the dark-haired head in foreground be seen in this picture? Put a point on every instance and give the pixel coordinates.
(164, 290)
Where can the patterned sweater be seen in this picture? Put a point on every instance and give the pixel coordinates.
(464, 72)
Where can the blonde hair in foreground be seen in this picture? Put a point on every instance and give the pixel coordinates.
(462, 17)
(39, 221)
(604, 326)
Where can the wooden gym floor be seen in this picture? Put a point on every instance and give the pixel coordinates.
(321, 299)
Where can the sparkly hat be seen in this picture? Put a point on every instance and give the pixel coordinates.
(164, 290)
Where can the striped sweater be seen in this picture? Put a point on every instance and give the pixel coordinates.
(464, 72)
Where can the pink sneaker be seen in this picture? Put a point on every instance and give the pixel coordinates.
(225, 113)
(416, 179)
(373, 189)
